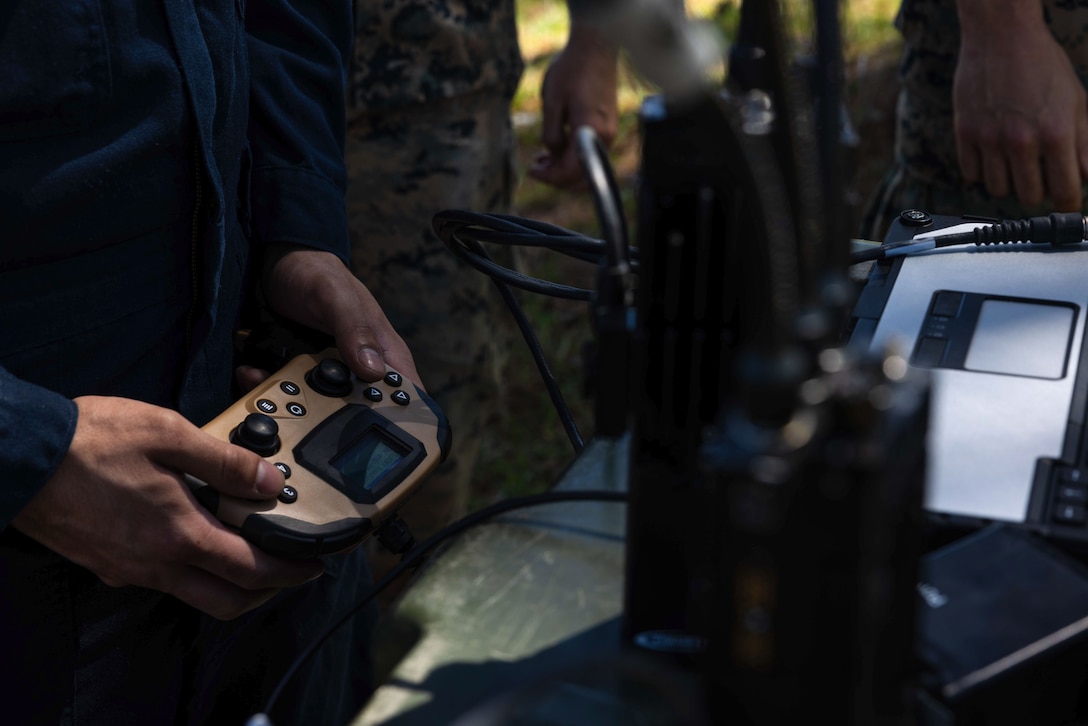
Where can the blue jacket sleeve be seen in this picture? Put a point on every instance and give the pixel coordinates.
(298, 54)
(36, 427)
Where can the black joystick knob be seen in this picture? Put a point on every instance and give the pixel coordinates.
(330, 377)
(258, 433)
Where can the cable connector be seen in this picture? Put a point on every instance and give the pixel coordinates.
(395, 536)
(1058, 229)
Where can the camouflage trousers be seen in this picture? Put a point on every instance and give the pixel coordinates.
(404, 165)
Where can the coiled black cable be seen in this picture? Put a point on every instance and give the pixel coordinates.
(464, 233)
(457, 229)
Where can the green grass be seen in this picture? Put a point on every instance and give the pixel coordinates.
(525, 449)
(867, 26)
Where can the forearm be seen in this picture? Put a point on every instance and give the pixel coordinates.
(995, 24)
(586, 34)
(993, 31)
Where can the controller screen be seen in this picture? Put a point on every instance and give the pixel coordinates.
(367, 460)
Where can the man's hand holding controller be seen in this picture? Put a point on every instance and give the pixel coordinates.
(119, 505)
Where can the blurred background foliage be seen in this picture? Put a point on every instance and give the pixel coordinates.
(525, 449)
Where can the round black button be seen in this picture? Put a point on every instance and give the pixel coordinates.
(400, 397)
(915, 218)
(296, 409)
(330, 377)
(258, 433)
(291, 389)
(288, 495)
(266, 406)
(284, 469)
(393, 378)
(373, 394)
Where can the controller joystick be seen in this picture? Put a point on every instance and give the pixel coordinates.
(258, 433)
(330, 377)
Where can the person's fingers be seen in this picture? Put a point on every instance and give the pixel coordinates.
(1024, 163)
(366, 340)
(238, 563)
(249, 377)
(1082, 145)
(563, 171)
(219, 589)
(216, 597)
(968, 153)
(1081, 163)
(1062, 173)
(554, 132)
(316, 289)
(995, 174)
(232, 470)
(360, 349)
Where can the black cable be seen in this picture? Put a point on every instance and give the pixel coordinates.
(572, 247)
(559, 404)
(1057, 230)
(612, 310)
(417, 553)
(464, 232)
(606, 197)
(459, 230)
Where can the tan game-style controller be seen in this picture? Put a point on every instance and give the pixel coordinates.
(351, 453)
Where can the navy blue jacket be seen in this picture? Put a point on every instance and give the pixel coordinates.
(145, 149)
